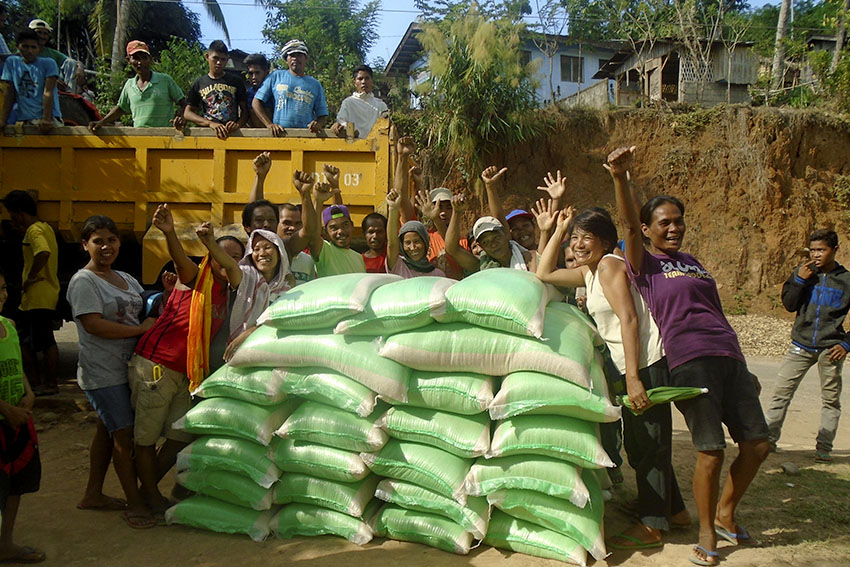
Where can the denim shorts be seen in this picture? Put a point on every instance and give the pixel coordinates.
(112, 405)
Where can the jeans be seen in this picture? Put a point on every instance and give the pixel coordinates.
(796, 363)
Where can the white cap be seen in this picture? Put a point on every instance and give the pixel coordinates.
(485, 224)
(441, 194)
(39, 25)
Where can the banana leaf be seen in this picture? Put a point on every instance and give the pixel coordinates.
(663, 395)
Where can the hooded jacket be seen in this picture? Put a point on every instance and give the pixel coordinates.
(821, 303)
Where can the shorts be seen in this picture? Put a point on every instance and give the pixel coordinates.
(20, 464)
(158, 402)
(731, 399)
(112, 405)
(36, 330)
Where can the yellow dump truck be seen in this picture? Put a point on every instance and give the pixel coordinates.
(125, 173)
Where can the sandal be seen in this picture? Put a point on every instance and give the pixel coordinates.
(110, 504)
(633, 543)
(712, 558)
(742, 537)
(139, 520)
(25, 554)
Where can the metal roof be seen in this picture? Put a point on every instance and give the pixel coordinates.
(406, 53)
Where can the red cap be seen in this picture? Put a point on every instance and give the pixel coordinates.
(135, 46)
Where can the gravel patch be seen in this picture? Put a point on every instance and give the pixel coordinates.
(762, 335)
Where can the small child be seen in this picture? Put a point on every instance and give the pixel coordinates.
(407, 248)
(20, 465)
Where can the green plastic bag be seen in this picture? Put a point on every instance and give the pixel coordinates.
(507, 532)
(258, 386)
(355, 357)
(464, 393)
(235, 418)
(327, 387)
(536, 393)
(308, 520)
(502, 299)
(347, 497)
(227, 454)
(473, 517)
(334, 427)
(546, 475)
(227, 486)
(399, 306)
(664, 395)
(217, 516)
(461, 435)
(317, 460)
(420, 527)
(322, 302)
(424, 465)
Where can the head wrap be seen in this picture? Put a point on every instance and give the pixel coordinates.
(421, 265)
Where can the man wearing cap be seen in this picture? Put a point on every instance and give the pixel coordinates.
(333, 256)
(521, 224)
(43, 30)
(437, 206)
(299, 100)
(31, 86)
(149, 96)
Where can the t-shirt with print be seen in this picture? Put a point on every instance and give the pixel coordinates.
(376, 265)
(44, 293)
(11, 366)
(28, 80)
(297, 100)
(334, 260)
(303, 268)
(217, 99)
(103, 362)
(152, 107)
(682, 297)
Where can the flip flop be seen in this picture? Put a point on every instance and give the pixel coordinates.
(110, 505)
(26, 554)
(712, 557)
(636, 543)
(741, 538)
(138, 521)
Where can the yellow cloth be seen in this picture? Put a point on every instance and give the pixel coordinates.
(200, 322)
(44, 293)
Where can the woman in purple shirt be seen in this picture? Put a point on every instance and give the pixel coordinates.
(702, 350)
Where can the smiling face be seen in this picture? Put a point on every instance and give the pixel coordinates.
(43, 36)
(102, 247)
(587, 249)
(363, 82)
(495, 244)
(666, 230)
(140, 62)
(522, 231)
(376, 235)
(339, 231)
(290, 223)
(266, 257)
(413, 246)
(297, 63)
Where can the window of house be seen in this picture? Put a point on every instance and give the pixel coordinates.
(524, 57)
(571, 69)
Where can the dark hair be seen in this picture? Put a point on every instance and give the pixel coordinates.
(373, 217)
(221, 239)
(257, 59)
(290, 207)
(649, 207)
(470, 238)
(248, 211)
(597, 222)
(97, 222)
(20, 202)
(26, 34)
(217, 46)
(825, 235)
(362, 67)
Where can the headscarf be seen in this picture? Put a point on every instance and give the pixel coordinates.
(255, 293)
(422, 264)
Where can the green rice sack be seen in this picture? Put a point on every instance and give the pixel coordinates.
(235, 418)
(573, 440)
(473, 517)
(465, 393)
(466, 348)
(235, 455)
(546, 475)
(466, 436)
(308, 520)
(258, 386)
(334, 427)
(399, 306)
(347, 497)
(227, 486)
(536, 393)
(217, 516)
(502, 299)
(355, 357)
(322, 302)
(424, 465)
(317, 460)
(420, 527)
(507, 532)
(327, 387)
(583, 525)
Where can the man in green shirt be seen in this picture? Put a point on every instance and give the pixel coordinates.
(43, 30)
(149, 96)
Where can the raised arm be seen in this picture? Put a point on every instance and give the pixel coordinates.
(619, 163)
(555, 185)
(321, 193)
(231, 266)
(393, 244)
(492, 176)
(545, 213)
(332, 173)
(303, 183)
(405, 146)
(430, 210)
(46, 123)
(262, 165)
(461, 255)
(546, 266)
(187, 271)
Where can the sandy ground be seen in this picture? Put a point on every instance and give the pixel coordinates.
(50, 520)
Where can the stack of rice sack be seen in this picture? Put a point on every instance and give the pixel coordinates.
(538, 470)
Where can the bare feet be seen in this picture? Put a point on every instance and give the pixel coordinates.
(638, 536)
(680, 520)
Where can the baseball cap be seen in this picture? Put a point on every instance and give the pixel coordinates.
(136, 46)
(39, 25)
(485, 224)
(334, 212)
(441, 194)
(294, 46)
(518, 213)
